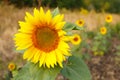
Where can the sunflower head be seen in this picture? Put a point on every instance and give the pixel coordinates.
(103, 30)
(98, 53)
(80, 22)
(84, 11)
(108, 18)
(42, 36)
(11, 66)
(76, 39)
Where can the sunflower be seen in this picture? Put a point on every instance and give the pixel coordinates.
(11, 66)
(103, 30)
(76, 39)
(42, 38)
(100, 53)
(108, 18)
(80, 22)
(84, 11)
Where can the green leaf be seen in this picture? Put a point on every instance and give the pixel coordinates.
(55, 12)
(68, 26)
(8, 76)
(78, 27)
(94, 48)
(33, 72)
(86, 56)
(75, 48)
(71, 26)
(76, 69)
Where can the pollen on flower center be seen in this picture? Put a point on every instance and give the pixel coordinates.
(45, 39)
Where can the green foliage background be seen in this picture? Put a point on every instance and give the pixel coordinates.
(98, 5)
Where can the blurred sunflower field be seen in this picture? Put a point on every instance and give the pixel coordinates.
(59, 40)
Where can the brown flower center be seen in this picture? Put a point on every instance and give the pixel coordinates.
(45, 39)
(108, 18)
(75, 39)
(80, 22)
(103, 30)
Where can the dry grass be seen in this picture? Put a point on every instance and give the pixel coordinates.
(92, 20)
(9, 17)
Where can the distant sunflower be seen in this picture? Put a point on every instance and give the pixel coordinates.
(80, 22)
(103, 30)
(43, 38)
(76, 39)
(108, 18)
(11, 66)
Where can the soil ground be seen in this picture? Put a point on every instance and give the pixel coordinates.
(105, 67)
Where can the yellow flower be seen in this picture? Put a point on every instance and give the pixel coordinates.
(98, 53)
(43, 38)
(80, 22)
(76, 39)
(11, 66)
(84, 11)
(101, 53)
(108, 18)
(103, 30)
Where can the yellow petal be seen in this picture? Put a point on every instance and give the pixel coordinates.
(36, 56)
(53, 58)
(48, 60)
(58, 18)
(42, 14)
(63, 45)
(29, 17)
(65, 38)
(48, 17)
(28, 54)
(36, 13)
(25, 27)
(61, 33)
(60, 25)
(22, 46)
(60, 63)
(23, 41)
(65, 52)
(23, 35)
(42, 11)
(59, 55)
(42, 59)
